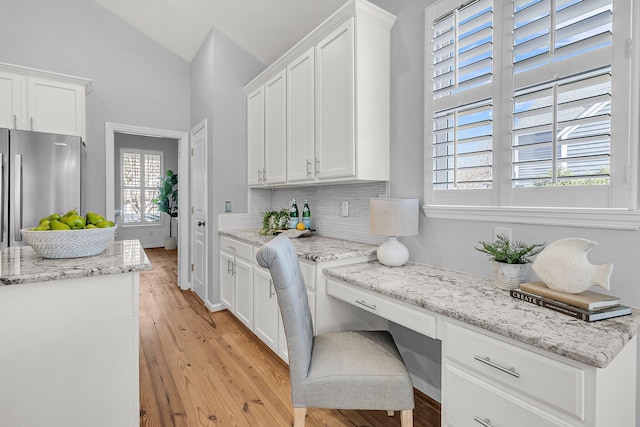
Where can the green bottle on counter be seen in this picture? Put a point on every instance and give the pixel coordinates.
(306, 215)
(294, 215)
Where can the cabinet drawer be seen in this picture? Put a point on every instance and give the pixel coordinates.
(553, 382)
(411, 318)
(468, 401)
(237, 248)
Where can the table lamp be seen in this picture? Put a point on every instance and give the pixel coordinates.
(393, 218)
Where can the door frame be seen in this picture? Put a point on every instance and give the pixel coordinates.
(183, 184)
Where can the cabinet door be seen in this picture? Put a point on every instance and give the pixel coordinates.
(300, 118)
(55, 107)
(266, 308)
(275, 129)
(244, 291)
(226, 280)
(255, 137)
(335, 135)
(10, 101)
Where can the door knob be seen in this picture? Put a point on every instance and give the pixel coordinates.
(200, 223)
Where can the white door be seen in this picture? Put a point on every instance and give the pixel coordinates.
(198, 199)
(301, 118)
(335, 112)
(275, 129)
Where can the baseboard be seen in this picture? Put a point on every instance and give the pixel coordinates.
(215, 307)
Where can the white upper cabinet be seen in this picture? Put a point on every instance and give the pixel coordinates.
(42, 101)
(10, 101)
(255, 137)
(335, 139)
(275, 129)
(337, 100)
(301, 118)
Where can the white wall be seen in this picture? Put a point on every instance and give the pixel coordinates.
(135, 81)
(219, 71)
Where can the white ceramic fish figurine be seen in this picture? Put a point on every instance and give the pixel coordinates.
(563, 266)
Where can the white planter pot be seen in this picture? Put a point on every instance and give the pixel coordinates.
(170, 243)
(509, 276)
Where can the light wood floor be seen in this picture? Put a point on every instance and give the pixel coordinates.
(206, 369)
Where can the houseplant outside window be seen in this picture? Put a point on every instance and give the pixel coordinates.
(167, 202)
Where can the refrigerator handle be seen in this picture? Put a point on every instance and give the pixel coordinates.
(17, 208)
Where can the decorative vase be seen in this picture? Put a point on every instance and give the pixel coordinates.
(509, 276)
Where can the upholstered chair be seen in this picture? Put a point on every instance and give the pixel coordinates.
(339, 370)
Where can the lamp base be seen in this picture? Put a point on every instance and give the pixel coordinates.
(393, 253)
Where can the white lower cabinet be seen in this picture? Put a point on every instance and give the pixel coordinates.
(265, 308)
(244, 291)
(236, 279)
(492, 381)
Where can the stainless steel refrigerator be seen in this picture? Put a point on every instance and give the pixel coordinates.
(40, 175)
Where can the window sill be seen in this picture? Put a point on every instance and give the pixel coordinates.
(613, 219)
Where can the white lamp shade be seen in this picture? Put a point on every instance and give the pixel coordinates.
(394, 217)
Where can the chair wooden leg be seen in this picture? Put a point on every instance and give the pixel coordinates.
(298, 416)
(406, 418)
(390, 413)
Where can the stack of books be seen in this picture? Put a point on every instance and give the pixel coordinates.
(588, 305)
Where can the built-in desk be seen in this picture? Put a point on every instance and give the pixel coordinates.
(504, 359)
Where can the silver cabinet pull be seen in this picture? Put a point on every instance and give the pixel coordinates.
(231, 248)
(317, 166)
(264, 176)
(228, 267)
(17, 208)
(308, 167)
(259, 175)
(233, 268)
(364, 303)
(485, 423)
(487, 361)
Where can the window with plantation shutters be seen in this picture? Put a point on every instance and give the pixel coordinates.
(529, 107)
(140, 180)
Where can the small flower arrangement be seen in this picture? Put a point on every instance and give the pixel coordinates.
(505, 251)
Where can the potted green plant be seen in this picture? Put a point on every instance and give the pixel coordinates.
(167, 202)
(510, 260)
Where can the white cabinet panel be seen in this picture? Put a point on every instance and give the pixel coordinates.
(275, 130)
(244, 291)
(301, 118)
(255, 137)
(266, 308)
(226, 280)
(10, 101)
(335, 136)
(55, 107)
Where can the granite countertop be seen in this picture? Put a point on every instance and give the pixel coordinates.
(22, 264)
(313, 248)
(475, 300)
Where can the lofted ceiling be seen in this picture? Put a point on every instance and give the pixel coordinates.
(264, 28)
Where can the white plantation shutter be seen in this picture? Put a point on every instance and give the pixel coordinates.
(461, 55)
(562, 132)
(140, 178)
(531, 103)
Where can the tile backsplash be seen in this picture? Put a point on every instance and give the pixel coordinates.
(325, 203)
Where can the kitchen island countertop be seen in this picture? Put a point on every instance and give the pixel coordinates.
(22, 264)
(313, 248)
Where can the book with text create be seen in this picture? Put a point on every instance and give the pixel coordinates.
(570, 310)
